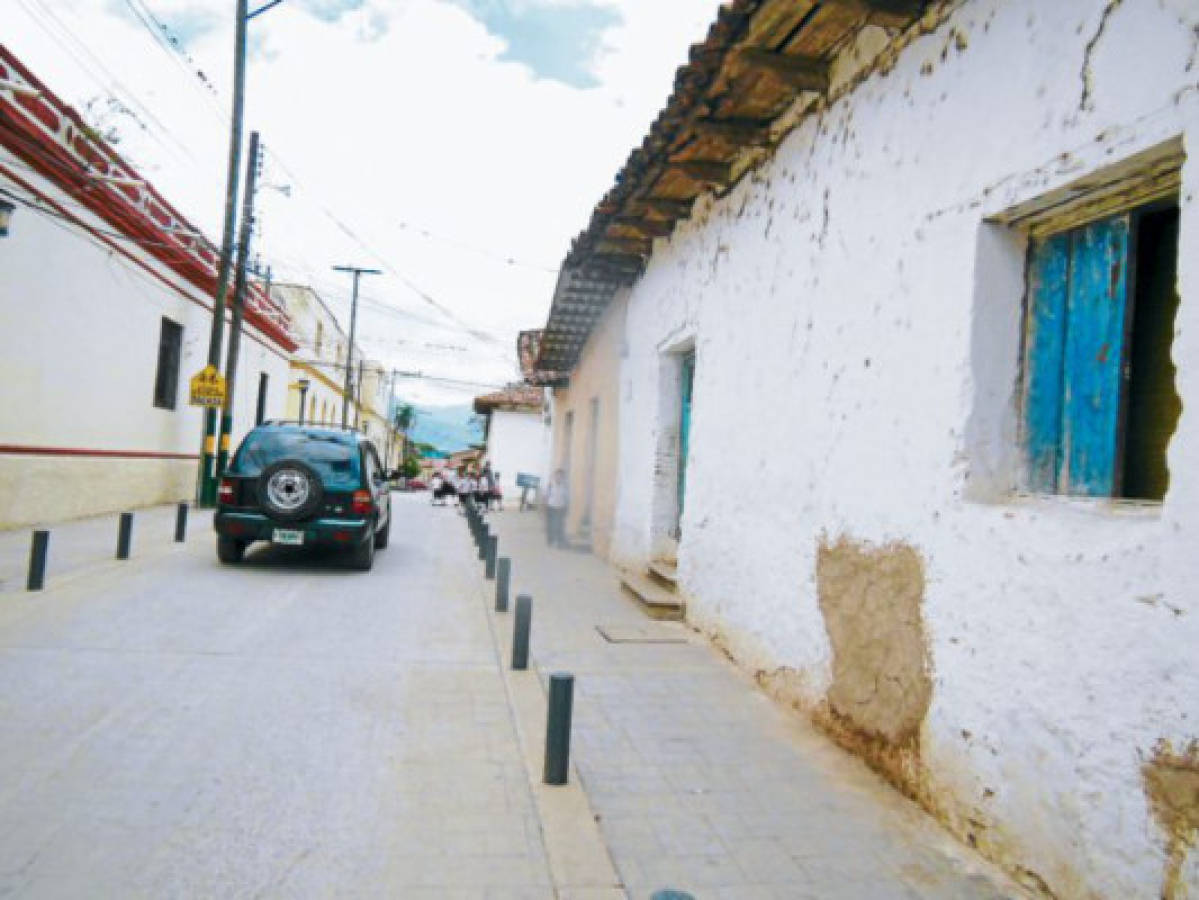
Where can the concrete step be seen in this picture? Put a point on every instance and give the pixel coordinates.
(657, 601)
(665, 573)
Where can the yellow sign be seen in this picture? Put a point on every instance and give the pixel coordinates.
(208, 387)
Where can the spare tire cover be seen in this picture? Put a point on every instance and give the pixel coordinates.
(290, 490)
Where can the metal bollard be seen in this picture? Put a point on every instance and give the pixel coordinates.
(37, 560)
(484, 540)
(502, 575)
(125, 535)
(493, 548)
(181, 523)
(520, 632)
(557, 728)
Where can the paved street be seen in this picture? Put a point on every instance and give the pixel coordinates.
(289, 728)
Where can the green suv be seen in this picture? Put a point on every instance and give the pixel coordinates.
(301, 486)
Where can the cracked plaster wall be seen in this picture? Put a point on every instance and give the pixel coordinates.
(833, 296)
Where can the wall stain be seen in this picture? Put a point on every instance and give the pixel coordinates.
(1171, 782)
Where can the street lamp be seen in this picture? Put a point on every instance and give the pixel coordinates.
(304, 384)
(6, 211)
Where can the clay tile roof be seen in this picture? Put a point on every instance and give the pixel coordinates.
(521, 397)
(723, 115)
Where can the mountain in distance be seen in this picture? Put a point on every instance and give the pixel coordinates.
(448, 428)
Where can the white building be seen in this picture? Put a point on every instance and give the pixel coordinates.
(517, 441)
(907, 389)
(105, 311)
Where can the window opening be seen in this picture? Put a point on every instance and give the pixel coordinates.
(1099, 396)
(1153, 402)
(166, 377)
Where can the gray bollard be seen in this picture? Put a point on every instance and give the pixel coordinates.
(125, 535)
(493, 548)
(520, 632)
(38, 548)
(181, 523)
(502, 575)
(557, 729)
(484, 540)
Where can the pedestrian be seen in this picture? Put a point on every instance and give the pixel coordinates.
(483, 489)
(435, 487)
(497, 495)
(557, 500)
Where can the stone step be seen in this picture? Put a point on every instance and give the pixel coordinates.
(657, 601)
(665, 573)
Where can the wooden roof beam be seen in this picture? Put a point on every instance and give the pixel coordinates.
(675, 209)
(740, 131)
(710, 170)
(801, 72)
(888, 13)
(624, 245)
(648, 227)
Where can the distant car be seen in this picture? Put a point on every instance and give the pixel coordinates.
(415, 484)
(303, 486)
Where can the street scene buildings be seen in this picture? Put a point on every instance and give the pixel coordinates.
(849, 486)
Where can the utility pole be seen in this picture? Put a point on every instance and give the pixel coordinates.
(207, 482)
(391, 425)
(245, 232)
(345, 394)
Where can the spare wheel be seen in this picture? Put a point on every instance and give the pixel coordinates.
(290, 490)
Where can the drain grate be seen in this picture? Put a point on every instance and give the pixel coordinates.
(649, 633)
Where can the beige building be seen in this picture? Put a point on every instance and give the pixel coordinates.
(585, 420)
(318, 374)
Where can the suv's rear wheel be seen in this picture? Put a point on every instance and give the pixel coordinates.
(230, 550)
(382, 536)
(363, 557)
(290, 490)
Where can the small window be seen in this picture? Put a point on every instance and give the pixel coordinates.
(166, 378)
(1100, 401)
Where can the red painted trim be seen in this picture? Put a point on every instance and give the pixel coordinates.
(87, 451)
(51, 138)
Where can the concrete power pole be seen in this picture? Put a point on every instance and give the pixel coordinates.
(206, 495)
(245, 233)
(345, 394)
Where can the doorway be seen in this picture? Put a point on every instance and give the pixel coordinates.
(686, 386)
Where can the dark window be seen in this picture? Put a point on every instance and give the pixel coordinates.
(166, 379)
(260, 410)
(1100, 402)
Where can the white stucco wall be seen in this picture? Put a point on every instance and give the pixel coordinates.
(517, 442)
(79, 334)
(845, 385)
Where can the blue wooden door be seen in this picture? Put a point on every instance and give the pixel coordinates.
(688, 383)
(1096, 310)
(1048, 277)
(1074, 363)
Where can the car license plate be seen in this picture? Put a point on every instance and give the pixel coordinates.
(288, 536)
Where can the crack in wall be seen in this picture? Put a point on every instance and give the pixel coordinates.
(1086, 101)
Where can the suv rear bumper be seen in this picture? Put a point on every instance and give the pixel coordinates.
(253, 526)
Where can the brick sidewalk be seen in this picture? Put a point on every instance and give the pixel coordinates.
(699, 781)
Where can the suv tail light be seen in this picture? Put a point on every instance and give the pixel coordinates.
(361, 503)
(224, 493)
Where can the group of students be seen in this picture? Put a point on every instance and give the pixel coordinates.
(483, 487)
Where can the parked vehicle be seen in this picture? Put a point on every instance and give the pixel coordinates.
(304, 485)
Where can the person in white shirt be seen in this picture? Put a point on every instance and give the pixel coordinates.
(557, 500)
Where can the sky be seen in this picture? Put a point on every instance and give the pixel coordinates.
(458, 145)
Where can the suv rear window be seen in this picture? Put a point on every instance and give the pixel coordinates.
(336, 459)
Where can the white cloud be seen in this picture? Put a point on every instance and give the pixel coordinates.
(398, 111)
